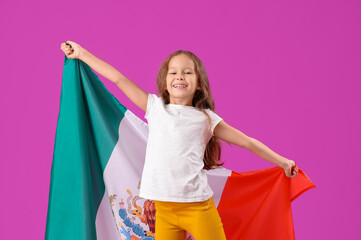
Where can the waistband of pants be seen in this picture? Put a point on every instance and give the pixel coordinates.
(183, 204)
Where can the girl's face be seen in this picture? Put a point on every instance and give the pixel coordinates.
(181, 80)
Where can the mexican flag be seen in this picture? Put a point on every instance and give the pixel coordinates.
(98, 159)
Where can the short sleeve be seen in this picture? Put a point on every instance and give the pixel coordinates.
(215, 119)
(150, 104)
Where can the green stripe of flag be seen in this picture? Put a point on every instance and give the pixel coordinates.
(86, 134)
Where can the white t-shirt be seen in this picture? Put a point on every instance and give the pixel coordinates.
(178, 135)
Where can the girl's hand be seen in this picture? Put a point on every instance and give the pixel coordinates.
(72, 50)
(291, 169)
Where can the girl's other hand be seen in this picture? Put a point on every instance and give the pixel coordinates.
(290, 169)
(71, 49)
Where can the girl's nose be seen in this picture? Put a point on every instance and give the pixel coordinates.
(180, 77)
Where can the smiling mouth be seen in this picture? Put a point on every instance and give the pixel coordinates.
(179, 86)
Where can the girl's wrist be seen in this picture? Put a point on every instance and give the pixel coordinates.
(82, 54)
(285, 163)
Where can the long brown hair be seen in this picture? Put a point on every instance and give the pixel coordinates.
(202, 100)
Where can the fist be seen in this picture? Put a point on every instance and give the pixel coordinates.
(291, 169)
(71, 49)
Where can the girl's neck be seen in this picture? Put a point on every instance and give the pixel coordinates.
(183, 102)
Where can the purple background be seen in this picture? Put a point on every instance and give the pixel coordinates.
(284, 72)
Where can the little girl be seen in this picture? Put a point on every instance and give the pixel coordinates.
(183, 142)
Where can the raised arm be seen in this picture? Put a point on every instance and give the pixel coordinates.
(137, 95)
(234, 136)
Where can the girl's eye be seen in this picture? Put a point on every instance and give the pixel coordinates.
(186, 72)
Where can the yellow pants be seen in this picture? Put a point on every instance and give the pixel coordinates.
(201, 219)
